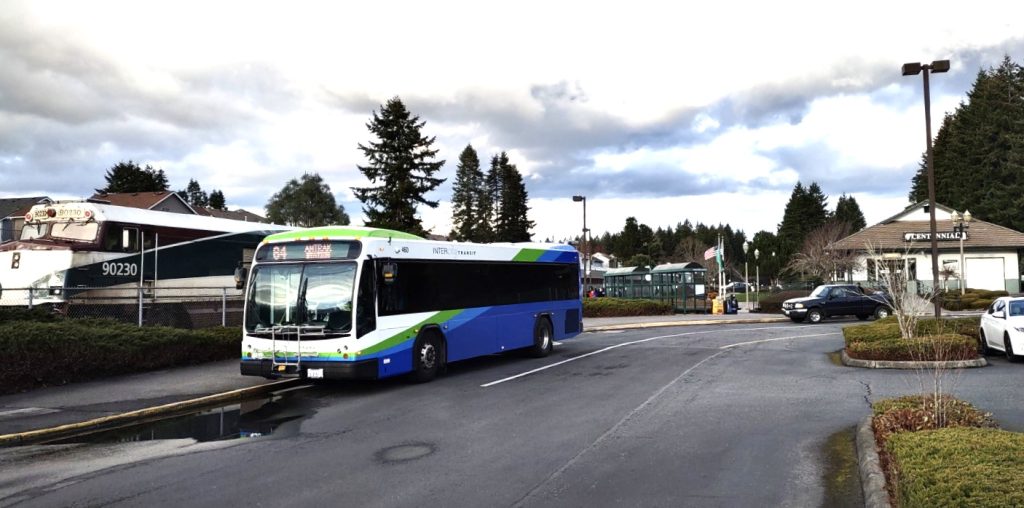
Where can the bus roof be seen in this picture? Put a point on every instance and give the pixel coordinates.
(79, 211)
(339, 232)
(432, 249)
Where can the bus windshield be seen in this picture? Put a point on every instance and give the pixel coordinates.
(314, 295)
(79, 231)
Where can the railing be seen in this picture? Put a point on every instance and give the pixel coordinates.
(179, 307)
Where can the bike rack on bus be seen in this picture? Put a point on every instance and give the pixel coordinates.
(298, 351)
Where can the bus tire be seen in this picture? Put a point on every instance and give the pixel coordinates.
(427, 356)
(542, 338)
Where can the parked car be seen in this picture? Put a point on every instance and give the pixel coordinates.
(1002, 328)
(736, 287)
(830, 300)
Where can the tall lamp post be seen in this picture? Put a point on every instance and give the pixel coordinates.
(586, 244)
(913, 69)
(961, 223)
(746, 273)
(757, 268)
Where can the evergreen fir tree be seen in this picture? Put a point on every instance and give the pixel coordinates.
(979, 150)
(401, 162)
(217, 201)
(195, 195)
(511, 222)
(129, 177)
(467, 215)
(848, 211)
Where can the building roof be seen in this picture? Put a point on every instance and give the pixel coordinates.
(10, 207)
(240, 214)
(890, 236)
(144, 200)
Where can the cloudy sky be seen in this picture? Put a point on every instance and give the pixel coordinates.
(660, 110)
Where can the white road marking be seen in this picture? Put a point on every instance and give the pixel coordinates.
(612, 430)
(15, 413)
(616, 346)
(779, 338)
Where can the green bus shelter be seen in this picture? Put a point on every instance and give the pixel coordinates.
(682, 285)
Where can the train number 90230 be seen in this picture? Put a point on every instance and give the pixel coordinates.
(120, 269)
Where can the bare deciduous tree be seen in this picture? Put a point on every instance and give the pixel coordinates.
(819, 259)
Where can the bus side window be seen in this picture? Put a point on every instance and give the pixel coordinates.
(366, 319)
(391, 296)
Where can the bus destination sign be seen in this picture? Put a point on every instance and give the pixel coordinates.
(308, 251)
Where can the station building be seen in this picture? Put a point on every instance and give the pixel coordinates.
(902, 243)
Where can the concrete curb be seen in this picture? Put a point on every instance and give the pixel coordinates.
(695, 322)
(138, 416)
(872, 479)
(890, 364)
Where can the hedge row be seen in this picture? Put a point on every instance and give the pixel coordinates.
(64, 351)
(888, 328)
(617, 307)
(773, 302)
(946, 347)
(972, 299)
(958, 467)
(959, 459)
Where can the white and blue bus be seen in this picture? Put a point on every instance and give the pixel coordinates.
(350, 302)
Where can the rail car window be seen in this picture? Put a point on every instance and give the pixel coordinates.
(75, 230)
(424, 286)
(33, 230)
(117, 238)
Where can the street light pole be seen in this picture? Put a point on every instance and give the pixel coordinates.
(960, 225)
(757, 267)
(746, 273)
(911, 69)
(586, 244)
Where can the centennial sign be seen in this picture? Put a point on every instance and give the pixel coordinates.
(942, 236)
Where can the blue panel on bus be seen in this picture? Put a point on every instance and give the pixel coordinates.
(470, 334)
(554, 256)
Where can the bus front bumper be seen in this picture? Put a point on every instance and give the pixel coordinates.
(363, 369)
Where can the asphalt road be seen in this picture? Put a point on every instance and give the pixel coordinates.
(728, 415)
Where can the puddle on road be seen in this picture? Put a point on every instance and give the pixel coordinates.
(841, 473)
(251, 418)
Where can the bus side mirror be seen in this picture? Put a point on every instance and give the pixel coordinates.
(389, 271)
(240, 277)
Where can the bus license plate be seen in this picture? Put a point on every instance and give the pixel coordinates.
(315, 373)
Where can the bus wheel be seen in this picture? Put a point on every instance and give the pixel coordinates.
(542, 343)
(427, 357)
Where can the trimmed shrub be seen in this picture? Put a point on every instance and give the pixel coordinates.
(968, 326)
(888, 328)
(65, 351)
(972, 299)
(39, 314)
(958, 467)
(946, 347)
(618, 307)
(773, 302)
(871, 332)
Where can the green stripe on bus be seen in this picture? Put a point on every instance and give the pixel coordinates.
(529, 255)
(410, 333)
(340, 232)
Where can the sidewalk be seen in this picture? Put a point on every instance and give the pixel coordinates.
(633, 322)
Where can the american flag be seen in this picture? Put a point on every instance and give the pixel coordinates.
(710, 253)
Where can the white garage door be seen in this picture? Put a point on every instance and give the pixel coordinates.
(985, 273)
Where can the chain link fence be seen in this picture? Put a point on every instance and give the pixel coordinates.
(179, 307)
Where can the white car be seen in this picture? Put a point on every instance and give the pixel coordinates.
(1002, 327)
